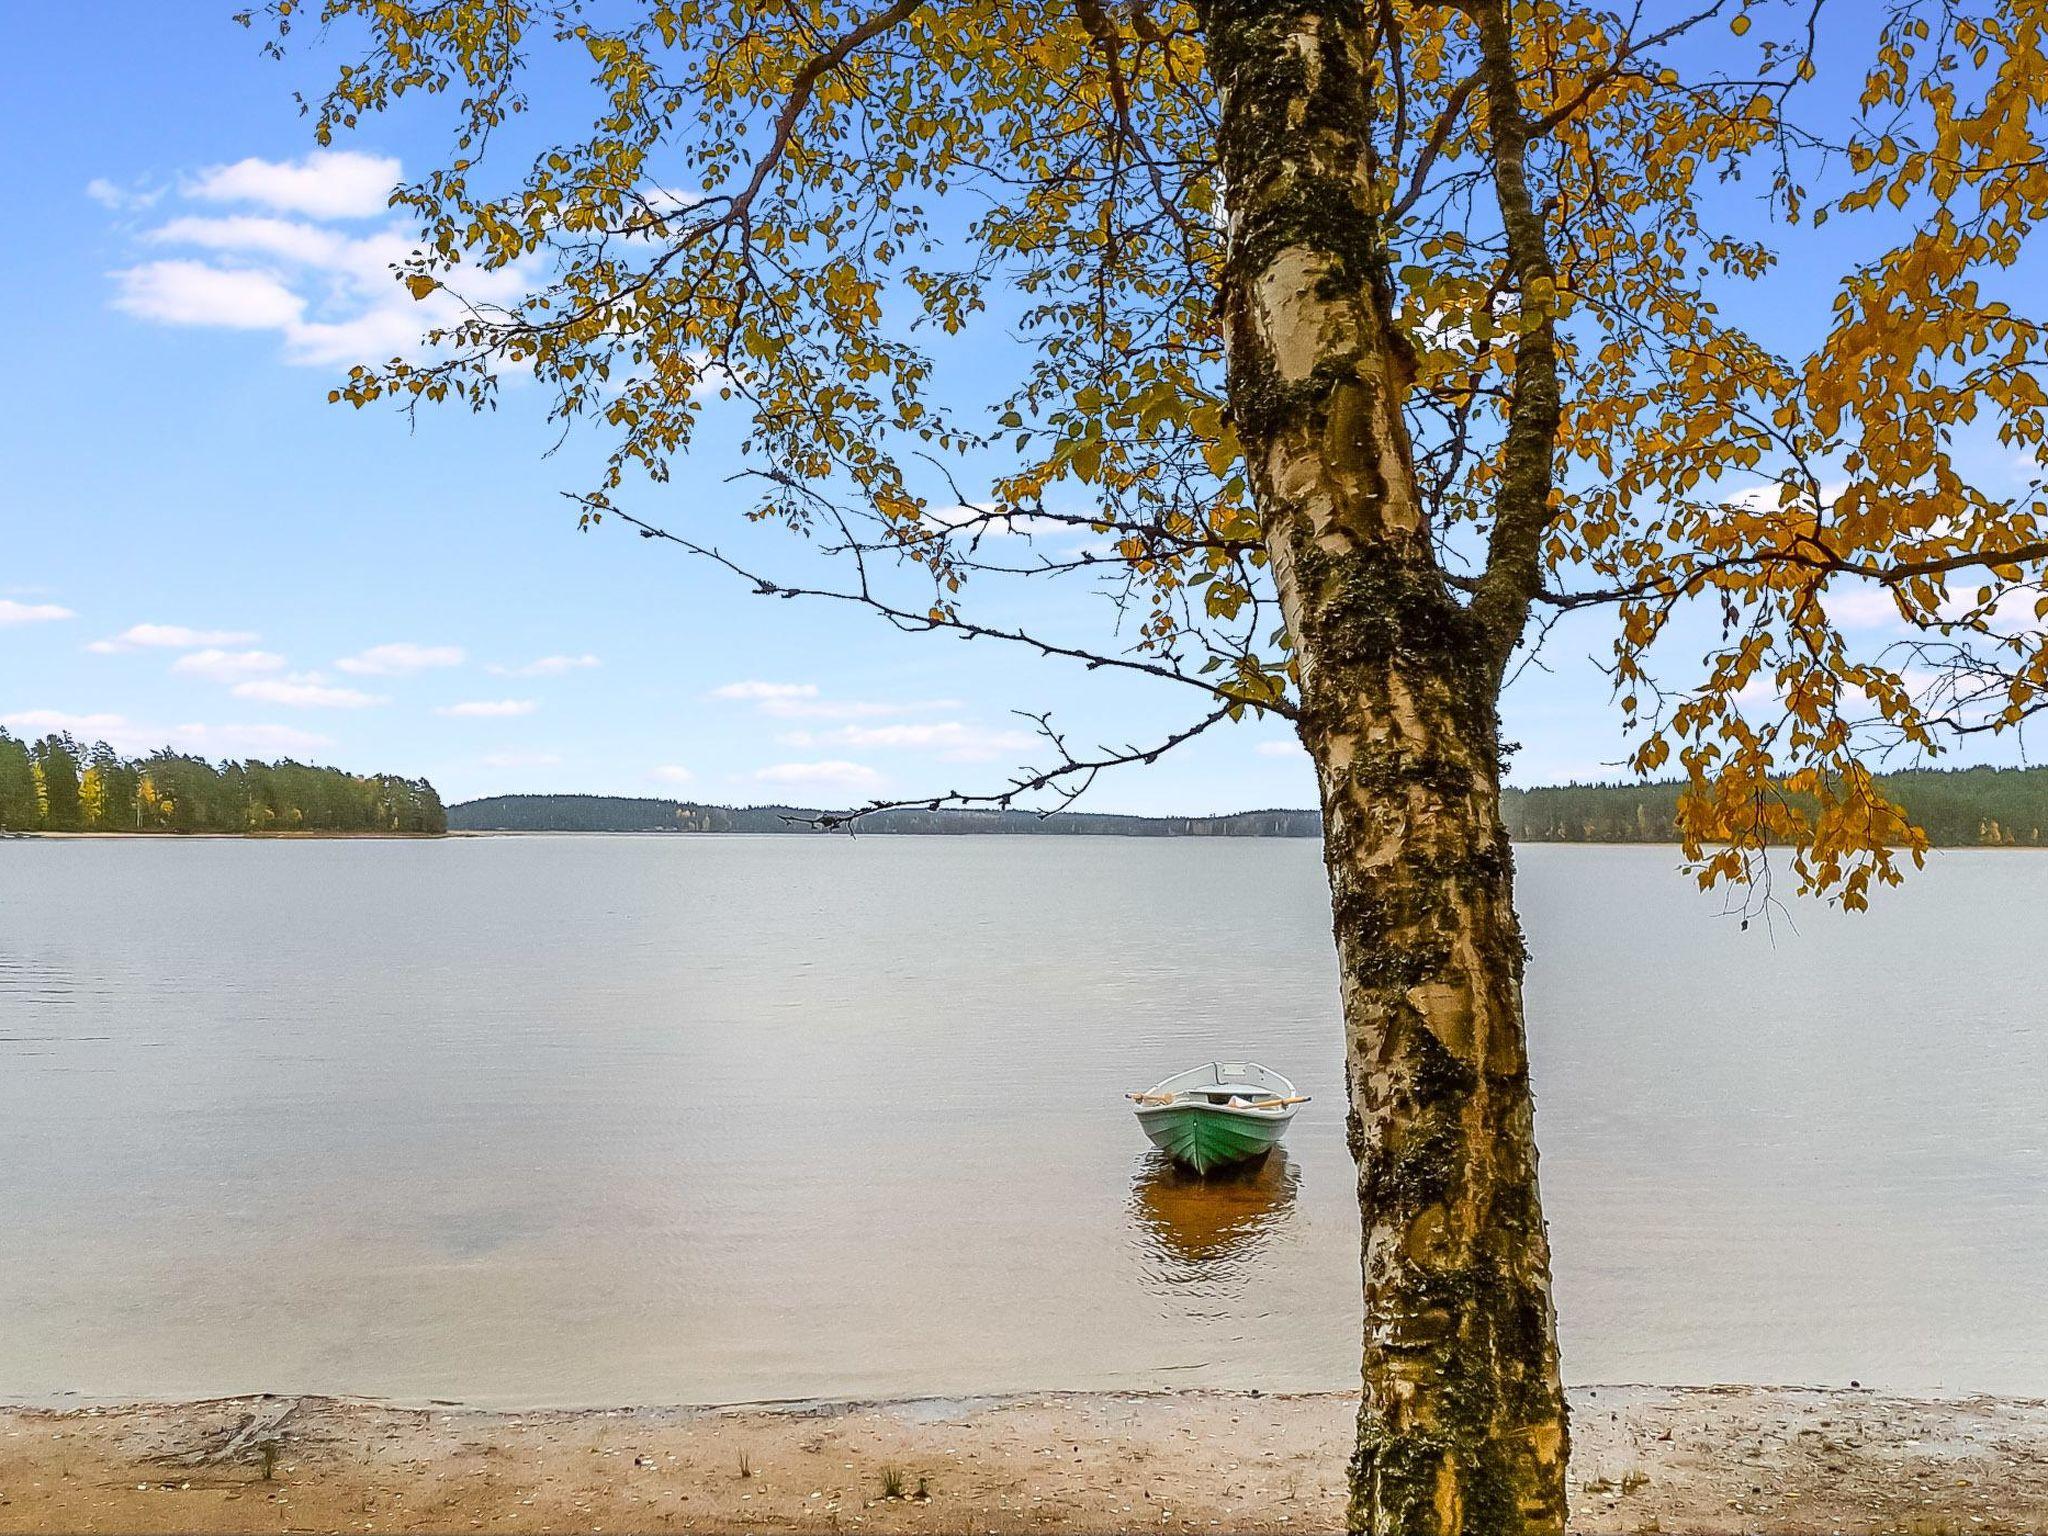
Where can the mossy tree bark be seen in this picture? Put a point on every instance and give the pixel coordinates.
(1462, 1427)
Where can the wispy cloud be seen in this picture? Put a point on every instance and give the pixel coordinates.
(853, 709)
(1861, 607)
(672, 773)
(1280, 749)
(759, 691)
(955, 741)
(110, 728)
(800, 701)
(248, 740)
(119, 199)
(177, 637)
(329, 291)
(12, 612)
(488, 709)
(226, 666)
(983, 522)
(338, 303)
(192, 293)
(399, 658)
(332, 295)
(2014, 612)
(288, 239)
(327, 184)
(1770, 496)
(547, 666)
(307, 690)
(849, 778)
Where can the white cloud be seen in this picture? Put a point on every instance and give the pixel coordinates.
(800, 701)
(306, 690)
(758, 691)
(665, 204)
(982, 522)
(2012, 613)
(1756, 498)
(851, 709)
(288, 239)
(547, 666)
(955, 741)
(114, 729)
(350, 305)
(327, 184)
(1860, 607)
(330, 294)
(940, 733)
(248, 740)
(126, 735)
(1769, 496)
(1760, 691)
(672, 773)
(225, 666)
(852, 778)
(368, 338)
(482, 709)
(1279, 749)
(401, 657)
(176, 637)
(193, 293)
(119, 199)
(12, 612)
(521, 759)
(384, 322)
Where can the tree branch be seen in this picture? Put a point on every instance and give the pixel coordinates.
(935, 619)
(1521, 506)
(1070, 779)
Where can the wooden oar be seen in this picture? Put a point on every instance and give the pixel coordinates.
(1150, 1098)
(1300, 1098)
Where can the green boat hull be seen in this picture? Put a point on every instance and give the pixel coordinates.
(1203, 1137)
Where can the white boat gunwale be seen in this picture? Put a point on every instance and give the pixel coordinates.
(1214, 1084)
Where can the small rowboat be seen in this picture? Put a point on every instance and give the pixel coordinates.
(1212, 1116)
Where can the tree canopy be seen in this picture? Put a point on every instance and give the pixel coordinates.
(54, 785)
(798, 210)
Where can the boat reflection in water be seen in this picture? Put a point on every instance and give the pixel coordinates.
(1202, 1237)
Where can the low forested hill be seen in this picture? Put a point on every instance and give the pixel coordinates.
(610, 813)
(1967, 807)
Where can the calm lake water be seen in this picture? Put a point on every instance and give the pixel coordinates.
(608, 1120)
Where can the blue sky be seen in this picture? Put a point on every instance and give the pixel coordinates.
(199, 550)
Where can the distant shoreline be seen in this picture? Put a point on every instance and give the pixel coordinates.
(467, 833)
(454, 835)
(1959, 808)
(231, 837)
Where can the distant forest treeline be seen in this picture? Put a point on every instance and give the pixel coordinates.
(1967, 807)
(1959, 807)
(612, 813)
(55, 785)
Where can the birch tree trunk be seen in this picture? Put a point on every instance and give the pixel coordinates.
(1462, 1426)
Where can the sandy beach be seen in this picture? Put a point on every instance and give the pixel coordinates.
(1646, 1459)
